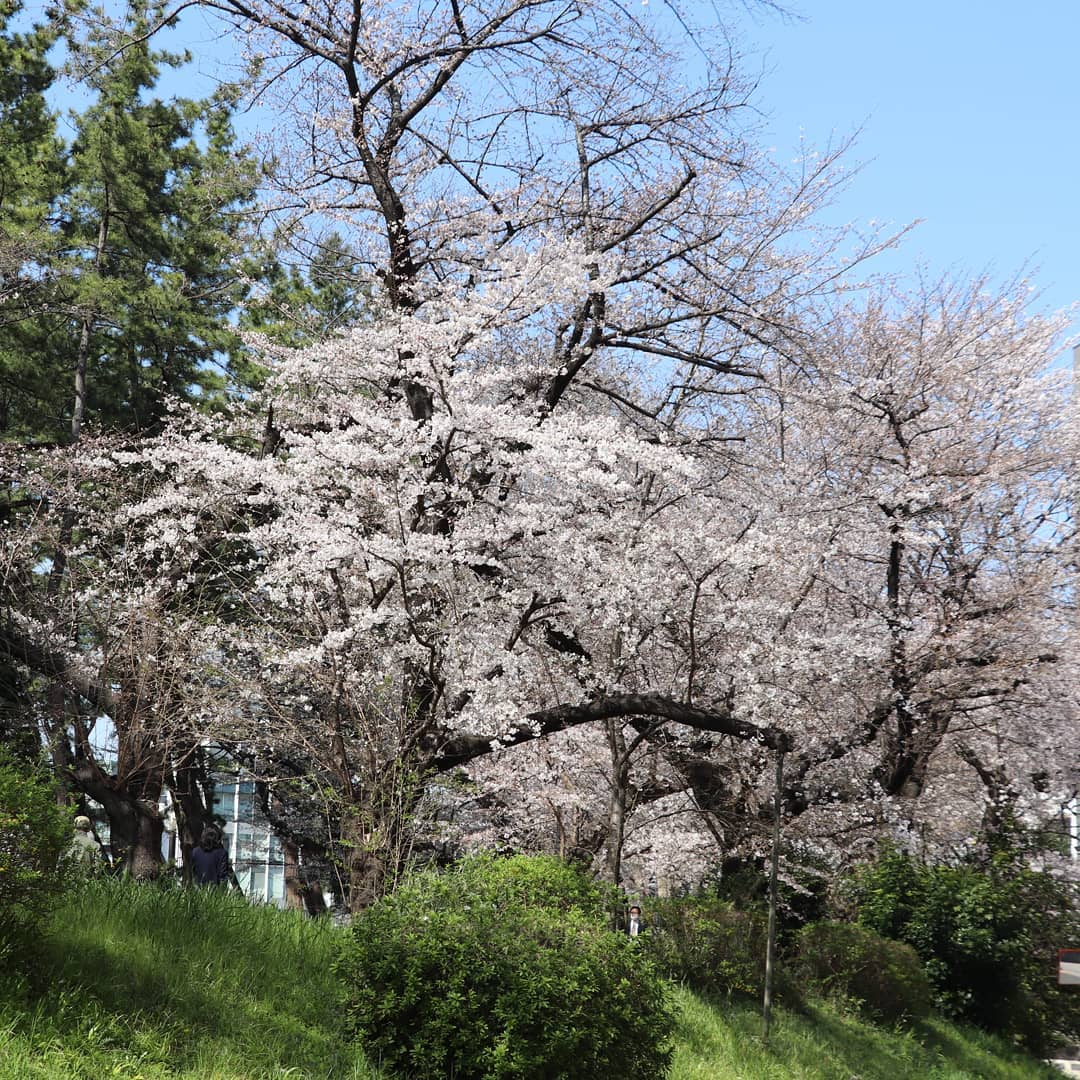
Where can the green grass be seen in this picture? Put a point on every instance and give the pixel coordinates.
(140, 981)
(150, 983)
(723, 1041)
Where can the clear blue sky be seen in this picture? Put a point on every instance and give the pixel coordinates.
(970, 120)
(968, 113)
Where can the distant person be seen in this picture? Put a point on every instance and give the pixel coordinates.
(635, 924)
(209, 862)
(85, 851)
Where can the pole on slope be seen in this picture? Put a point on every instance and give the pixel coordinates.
(770, 941)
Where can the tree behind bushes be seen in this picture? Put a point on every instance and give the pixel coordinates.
(34, 833)
(504, 968)
(987, 935)
(117, 253)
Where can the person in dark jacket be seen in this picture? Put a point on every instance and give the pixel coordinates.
(209, 862)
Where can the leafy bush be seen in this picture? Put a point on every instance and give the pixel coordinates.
(883, 978)
(503, 969)
(987, 936)
(34, 834)
(708, 945)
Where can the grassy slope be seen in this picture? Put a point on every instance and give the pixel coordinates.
(149, 984)
(142, 982)
(717, 1040)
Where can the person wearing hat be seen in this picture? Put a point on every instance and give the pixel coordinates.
(85, 850)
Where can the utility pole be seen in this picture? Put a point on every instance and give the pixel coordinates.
(1072, 808)
(774, 865)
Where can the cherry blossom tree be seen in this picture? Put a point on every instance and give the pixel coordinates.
(937, 456)
(351, 603)
(618, 464)
(948, 466)
(389, 647)
(386, 615)
(113, 664)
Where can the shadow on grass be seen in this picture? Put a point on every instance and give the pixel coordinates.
(847, 1048)
(818, 1042)
(126, 965)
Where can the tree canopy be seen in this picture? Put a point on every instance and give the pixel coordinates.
(581, 478)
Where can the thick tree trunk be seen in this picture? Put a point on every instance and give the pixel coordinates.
(144, 858)
(187, 782)
(618, 800)
(377, 834)
(294, 889)
(999, 814)
(366, 862)
(135, 824)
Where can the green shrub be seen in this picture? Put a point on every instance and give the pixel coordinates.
(885, 979)
(503, 969)
(34, 834)
(708, 945)
(987, 936)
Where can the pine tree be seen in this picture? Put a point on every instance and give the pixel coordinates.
(148, 226)
(297, 305)
(31, 173)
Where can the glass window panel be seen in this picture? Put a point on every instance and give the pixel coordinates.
(276, 884)
(258, 882)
